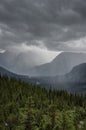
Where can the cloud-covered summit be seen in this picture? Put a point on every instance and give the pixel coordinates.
(56, 23)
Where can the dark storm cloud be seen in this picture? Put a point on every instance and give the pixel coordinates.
(50, 21)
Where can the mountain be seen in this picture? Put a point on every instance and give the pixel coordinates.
(16, 62)
(74, 81)
(77, 74)
(6, 72)
(21, 62)
(61, 65)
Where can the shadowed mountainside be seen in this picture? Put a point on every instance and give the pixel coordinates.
(74, 81)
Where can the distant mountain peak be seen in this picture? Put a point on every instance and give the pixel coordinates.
(67, 54)
(62, 64)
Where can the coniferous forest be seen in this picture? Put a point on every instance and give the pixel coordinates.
(28, 107)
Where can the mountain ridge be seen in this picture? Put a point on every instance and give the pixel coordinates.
(74, 81)
(61, 64)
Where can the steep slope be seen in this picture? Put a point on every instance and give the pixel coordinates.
(62, 64)
(22, 62)
(6, 72)
(77, 74)
(74, 81)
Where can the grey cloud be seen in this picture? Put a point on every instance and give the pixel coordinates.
(58, 25)
(53, 21)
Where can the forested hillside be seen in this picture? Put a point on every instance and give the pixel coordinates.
(27, 107)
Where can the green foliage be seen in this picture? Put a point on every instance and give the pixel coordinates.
(27, 107)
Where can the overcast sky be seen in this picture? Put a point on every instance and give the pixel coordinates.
(42, 26)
